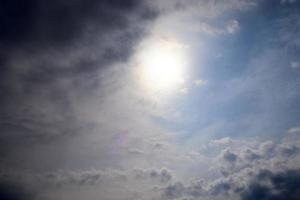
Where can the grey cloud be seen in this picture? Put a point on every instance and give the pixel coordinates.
(267, 147)
(81, 178)
(13, 191)
(288, 1)
(244, 165)
(197, 189)
(163, 175)
(57, 22)
(289, 30)
(289, 151)
(173, 191)
(294, 130)
(275, 186)
(53, 51)
(220, 188)
(251, 155)
(96, 177)
(229, 156)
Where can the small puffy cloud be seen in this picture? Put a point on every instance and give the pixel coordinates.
(294, 65)
(223, 141)
(184, 90)
(200, 82)
(232, 26)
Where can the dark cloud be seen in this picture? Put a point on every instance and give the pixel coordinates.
(251, 155)
(274, 186)
(221, 188)
(229, 156)
(51, 49)
(289, 151)
(39, 23)
(12, 191)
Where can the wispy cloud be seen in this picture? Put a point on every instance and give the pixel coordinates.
(231, 27)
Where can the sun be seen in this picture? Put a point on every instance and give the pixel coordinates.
(161, 65)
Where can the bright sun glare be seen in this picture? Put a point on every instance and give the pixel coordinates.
(161, 65)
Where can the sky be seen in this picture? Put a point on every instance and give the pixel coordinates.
(150, 100)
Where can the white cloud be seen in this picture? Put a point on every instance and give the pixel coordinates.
(200, 82)
(232, 26)
(223, 141)
(184, 90)
(294, 65)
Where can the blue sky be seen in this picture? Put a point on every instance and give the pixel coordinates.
(250, 90)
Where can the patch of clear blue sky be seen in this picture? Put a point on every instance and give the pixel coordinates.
(226, 107)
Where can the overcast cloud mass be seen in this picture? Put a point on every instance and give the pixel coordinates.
(149, 100)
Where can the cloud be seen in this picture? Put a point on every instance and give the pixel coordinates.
(283, 185)
(184, 90)
(229, 156)
(163, 175)
(231, 27)
(223, 141)
(174, 191)
(82, 178)
(288, 1)
(34, 23)
(52, 52)
(200, 82)
(68, 102)
(288, 29)
(294, 130)
(295, 65)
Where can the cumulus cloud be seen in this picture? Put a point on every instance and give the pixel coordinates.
(254, 170)
(229, 156)
(268, 185)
